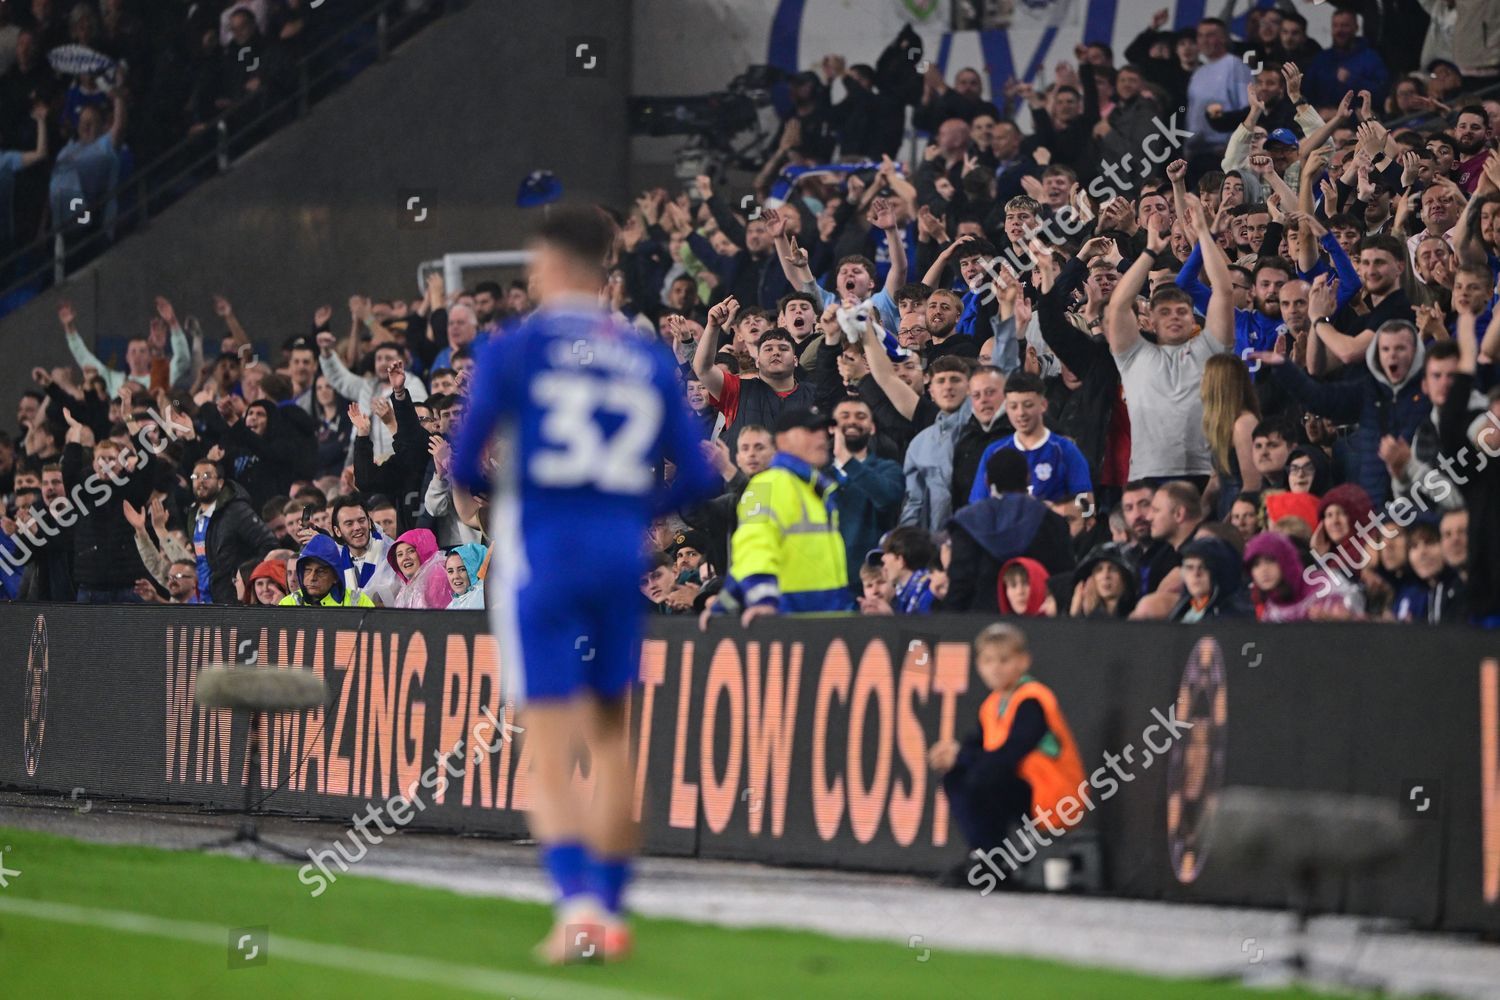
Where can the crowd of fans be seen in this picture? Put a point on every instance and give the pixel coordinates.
(92, 89)
(226, 479)
(1207, 332)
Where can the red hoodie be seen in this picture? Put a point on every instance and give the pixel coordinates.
(1037, 574)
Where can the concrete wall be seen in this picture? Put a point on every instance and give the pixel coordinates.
(462, 113)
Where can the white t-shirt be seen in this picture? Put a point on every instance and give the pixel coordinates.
(1163, 396)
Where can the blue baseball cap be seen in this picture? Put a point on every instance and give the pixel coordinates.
(1285, 136)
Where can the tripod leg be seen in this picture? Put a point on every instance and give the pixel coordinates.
(252, 780)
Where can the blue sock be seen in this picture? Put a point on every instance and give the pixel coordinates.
(568, 864)
(607, 880)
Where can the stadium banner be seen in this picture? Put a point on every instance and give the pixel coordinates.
(803, 742)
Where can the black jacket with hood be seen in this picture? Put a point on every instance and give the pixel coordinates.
(988, 534)
(1228, 598)
(265, 464)
(1116, 555)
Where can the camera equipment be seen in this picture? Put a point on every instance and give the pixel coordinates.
(733, 127)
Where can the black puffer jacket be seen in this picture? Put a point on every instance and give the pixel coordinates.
(236, 534)
(104, 554)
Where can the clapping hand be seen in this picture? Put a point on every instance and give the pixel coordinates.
(158, 514)
(360, 419)
(1156, 231)
(441, 452)
(381, 406)
(1323, 296)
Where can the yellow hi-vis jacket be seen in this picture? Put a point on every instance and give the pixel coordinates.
(787, 550)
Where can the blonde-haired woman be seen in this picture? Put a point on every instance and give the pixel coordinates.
(1230, 412)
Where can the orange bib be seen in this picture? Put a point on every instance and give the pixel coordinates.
(1053, 769)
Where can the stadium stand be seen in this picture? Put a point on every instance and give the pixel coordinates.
(111, 111)
(1202, 334)
(1259, 344)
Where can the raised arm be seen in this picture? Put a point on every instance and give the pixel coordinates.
(723, 216)
(1120, 326)
(792, 257)
(345, 382)
(38, 115)
(182, 351)
(791, 135)
(711, 375)
(1466, 241)
(883, 214)
(1306, 255)
(1238, 150)
(1177, 174)
(81, 353)
(1319, 136)
(1489, 348)
(903, 188)
(225, 310)
(934, 276)
(1322, 303)
(1219, 320)
(1320, 299)
(902, 396)
(121, 116)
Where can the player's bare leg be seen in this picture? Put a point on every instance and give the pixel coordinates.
(558, 820)
(611, 828)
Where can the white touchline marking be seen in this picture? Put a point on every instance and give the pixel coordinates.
(331, 956)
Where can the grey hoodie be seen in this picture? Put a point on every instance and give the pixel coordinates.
(929, 469)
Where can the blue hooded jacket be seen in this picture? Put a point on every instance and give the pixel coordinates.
(988, 534)
(321, 548)
(472, 554)
(1003, 526)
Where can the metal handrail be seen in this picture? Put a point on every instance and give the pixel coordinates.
(148, 182)
(1470, 97)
